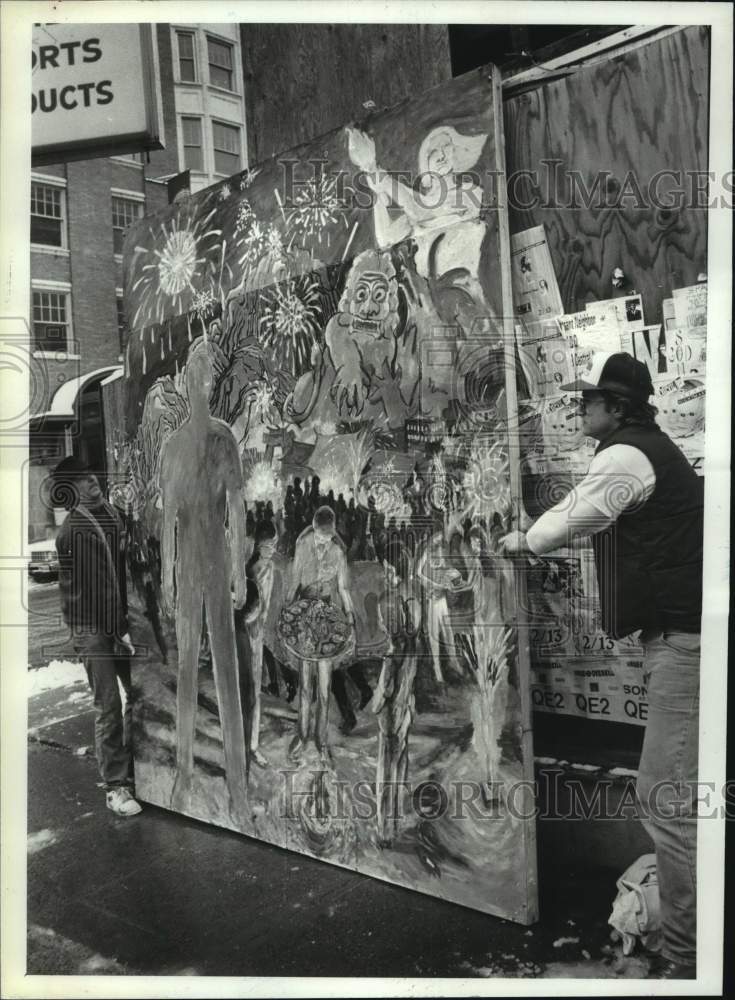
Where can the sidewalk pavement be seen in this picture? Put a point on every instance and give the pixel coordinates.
(160, 894)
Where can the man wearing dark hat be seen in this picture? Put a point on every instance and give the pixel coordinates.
(642, 505)
(91, 547)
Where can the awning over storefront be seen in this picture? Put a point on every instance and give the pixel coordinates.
(63, 403)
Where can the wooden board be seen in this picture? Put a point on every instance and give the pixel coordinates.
(280, 334)
(325, 74)
(632, 116)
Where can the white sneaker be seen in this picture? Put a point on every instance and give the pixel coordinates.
(122, 803)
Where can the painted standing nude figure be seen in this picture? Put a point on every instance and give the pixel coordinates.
(201, 484)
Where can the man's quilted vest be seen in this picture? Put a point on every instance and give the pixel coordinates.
(649, 562)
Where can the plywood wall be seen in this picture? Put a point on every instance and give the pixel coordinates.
(301, 80)
(632, 115)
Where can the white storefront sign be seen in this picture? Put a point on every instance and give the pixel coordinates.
(95, 91)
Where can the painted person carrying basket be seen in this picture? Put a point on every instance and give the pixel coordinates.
(316, 626)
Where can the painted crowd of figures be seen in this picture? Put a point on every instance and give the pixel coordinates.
(432, 592)
(428, 590)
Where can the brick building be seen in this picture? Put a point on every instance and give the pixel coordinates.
(79, 212)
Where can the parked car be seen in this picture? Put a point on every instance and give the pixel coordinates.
(44, 561)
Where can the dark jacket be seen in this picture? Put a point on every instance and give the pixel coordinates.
(649, 562)
(91, 577)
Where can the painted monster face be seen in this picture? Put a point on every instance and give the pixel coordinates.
(369, 305)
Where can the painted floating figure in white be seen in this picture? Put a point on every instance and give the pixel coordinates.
(443, 216)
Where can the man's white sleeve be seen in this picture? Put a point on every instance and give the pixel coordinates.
(619, 478)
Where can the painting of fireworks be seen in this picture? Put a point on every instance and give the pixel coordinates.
(317, 469)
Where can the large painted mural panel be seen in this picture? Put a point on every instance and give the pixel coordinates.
(316, 450)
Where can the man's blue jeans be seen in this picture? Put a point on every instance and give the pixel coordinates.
(112, 728)
(667, 779)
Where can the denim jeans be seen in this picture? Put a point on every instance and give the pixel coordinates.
(667, 778)
(112, 727)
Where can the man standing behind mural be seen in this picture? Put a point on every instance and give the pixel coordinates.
(642, 504)
(201, 484)
(94, 605)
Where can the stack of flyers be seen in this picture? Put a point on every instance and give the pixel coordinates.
(535, 289)
(648, 344)
(669, 315)
(561, 424)
(571, 464)
(686, 351)
(685, 324)
(627, 308)
(668, 350)
(690, 306)
(547, 360)
(681, 408)
(590, 332)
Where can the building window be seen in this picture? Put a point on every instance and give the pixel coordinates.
(191, 129)
(220, 64)
(47, 215)
(124, 213)
(51, 312)
(187, 60)
(226, 142)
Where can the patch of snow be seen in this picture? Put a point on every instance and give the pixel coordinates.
(623, 772)
(632, 969)
(585, 767)
(547, 761)
(96, 963)
(78, 696)
(477, 970)
(565, 940)
(42, 838)
(58, 673)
